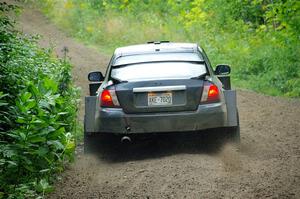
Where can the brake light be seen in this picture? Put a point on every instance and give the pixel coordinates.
(210, 93)
(213, 93)
(109, 99)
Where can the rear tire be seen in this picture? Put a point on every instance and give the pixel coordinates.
(235, 134)
(91, 143)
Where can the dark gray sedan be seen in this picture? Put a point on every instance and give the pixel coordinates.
(160, 87)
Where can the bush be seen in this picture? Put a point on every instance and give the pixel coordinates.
(38, 105)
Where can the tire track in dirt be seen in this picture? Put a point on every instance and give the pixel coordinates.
(84, 59)
(192, 166)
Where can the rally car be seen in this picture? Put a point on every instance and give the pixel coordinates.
(160, 87)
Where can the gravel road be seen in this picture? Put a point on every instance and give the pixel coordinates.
(183, 166)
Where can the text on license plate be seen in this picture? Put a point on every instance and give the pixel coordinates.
(160, 99)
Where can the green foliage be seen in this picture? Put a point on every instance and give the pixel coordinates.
(259, 39)
(38, 105)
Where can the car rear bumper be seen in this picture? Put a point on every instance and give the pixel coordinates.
(114, 120)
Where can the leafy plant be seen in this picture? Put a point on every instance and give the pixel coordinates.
(38, 106)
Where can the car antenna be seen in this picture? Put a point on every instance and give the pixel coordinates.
(158, 42)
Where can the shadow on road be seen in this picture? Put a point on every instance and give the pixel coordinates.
(110, 149)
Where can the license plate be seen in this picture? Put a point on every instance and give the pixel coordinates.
(160, 99)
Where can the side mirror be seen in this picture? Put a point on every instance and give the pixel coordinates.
(222, 69)
(95, 76)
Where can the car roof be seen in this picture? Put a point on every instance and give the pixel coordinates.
(156, 47)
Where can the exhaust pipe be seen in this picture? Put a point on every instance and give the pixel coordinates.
(125, 140)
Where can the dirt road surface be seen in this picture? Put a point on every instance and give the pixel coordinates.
(183, 166)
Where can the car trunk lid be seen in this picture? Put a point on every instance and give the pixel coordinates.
(159, 95)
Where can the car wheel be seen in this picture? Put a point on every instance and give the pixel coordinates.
(91, 143)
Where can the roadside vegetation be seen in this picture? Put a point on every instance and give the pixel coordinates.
(38, 105)
(259, 38)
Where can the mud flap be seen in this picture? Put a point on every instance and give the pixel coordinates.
(90, 108)
(231, 104)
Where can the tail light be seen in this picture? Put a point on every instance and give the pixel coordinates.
(210, 93)
(109, 98)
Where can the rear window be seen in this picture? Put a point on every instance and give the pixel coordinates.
(158, 71)
(156, 57)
